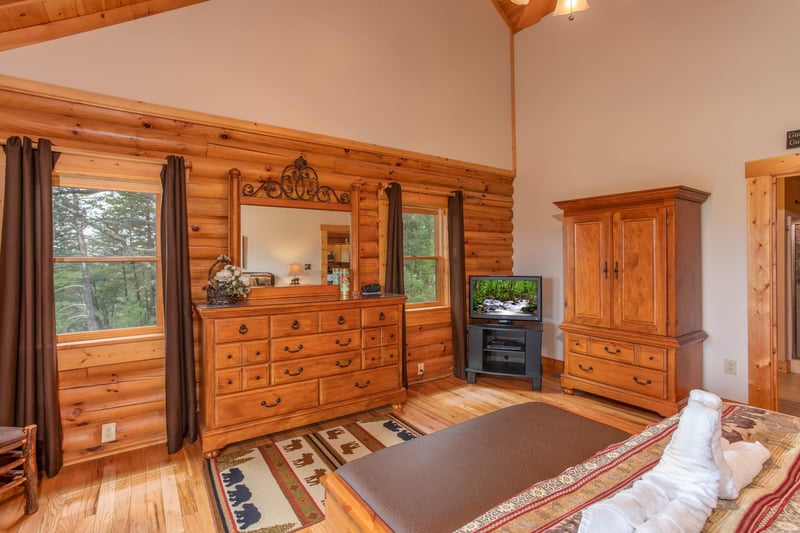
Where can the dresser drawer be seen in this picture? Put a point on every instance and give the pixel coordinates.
(293, 324)
(371, 357)
(255, 376)
(381, 356)
(228, 355)
(320, 344)
(356, 384)
(255, 352)
(613, 350)
(314, 367)
(339, 320)
(264, 403)
(652, 357)
(380, 336)
(628, 377)
(378, 316)
(577, 343)
(229, 381)
(240, 329)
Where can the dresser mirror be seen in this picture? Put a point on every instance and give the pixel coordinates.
(271, 233)
(273, 238)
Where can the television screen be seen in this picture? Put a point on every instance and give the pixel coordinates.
(505, 298)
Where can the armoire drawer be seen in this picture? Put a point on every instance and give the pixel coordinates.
(628, 377)
(294, 370)
(612, 350)
(263, 403)
(355, 384)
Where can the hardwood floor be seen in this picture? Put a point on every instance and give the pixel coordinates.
(789, 393)
(149, 490)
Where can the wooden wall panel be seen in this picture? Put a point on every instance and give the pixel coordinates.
(122, 381)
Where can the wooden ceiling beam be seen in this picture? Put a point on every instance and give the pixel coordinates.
(59, 18)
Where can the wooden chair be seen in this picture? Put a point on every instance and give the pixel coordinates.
(18, 463)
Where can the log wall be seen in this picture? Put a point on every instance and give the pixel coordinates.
(121, 380)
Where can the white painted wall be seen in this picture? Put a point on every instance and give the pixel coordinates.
(637, 94)
(431, 77)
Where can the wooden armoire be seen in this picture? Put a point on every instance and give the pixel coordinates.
(633, 297)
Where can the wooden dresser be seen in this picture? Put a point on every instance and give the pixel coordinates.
(633, 297)
(269, 365)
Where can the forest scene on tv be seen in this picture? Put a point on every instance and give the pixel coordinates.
(505, 297)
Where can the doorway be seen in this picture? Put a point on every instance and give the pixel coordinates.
(764, 232)
(787, 217)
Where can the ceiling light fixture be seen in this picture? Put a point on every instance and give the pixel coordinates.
(520, 2)
(569, 7)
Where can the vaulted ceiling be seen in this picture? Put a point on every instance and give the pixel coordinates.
(24, 22)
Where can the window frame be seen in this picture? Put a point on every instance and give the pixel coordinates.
(437, 205)
(115, 173)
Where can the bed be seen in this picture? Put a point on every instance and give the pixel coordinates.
(410, 487)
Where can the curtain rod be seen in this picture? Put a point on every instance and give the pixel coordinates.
(107, 155)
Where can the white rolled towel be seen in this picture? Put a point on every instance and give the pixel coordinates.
(679, 492)
(745, 459)
(727, 487)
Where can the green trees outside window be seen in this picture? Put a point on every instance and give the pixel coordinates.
(106, 264)
(421, 250)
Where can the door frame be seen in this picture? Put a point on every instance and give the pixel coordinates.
(762, 282)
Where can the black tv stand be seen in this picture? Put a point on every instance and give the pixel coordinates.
(506, 350)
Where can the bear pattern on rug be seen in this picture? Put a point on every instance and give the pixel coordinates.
(277, 485)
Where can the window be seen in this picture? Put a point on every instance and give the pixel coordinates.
(424, 257)
(106, 254)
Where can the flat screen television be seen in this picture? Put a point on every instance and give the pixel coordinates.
(505, 298)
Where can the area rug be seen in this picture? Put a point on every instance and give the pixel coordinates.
(275, 486)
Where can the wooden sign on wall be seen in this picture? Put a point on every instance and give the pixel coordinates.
(792, 139)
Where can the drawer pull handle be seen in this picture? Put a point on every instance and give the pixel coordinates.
(265, 404)
(229, 356)
(243, 329)
(258, 378)
(341, 320)
(381, 316)
(299, 371)
(299, 347)
(295, 324)
(345, 343)
(230, 382)
(344, 365)
(646, 382)
(364, 386)
(258, 352)
(615, 352)
(589, 369)
(651, 358)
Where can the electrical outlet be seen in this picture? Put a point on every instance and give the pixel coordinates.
(108, 432)
(420, 368)
(730, 367)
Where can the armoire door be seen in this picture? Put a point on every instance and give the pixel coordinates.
(639, 270)
(587, 285)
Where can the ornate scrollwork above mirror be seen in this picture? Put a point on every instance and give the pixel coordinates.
(274, 223)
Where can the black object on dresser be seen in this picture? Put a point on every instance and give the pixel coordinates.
(506, 350)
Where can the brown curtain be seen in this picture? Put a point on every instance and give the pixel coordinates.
(179, 344)
(458, 282)
(395, 282)
(28, 363)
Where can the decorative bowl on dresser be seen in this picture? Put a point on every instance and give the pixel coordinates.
(633, 296)
(273, 364)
